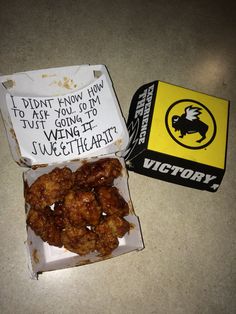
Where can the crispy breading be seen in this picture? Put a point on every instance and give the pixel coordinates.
(81, 208)
(106, 243)
(50, 188)
(81, 241)
(111, 201)
(42, 223)
(58, 214)
(108, 231)
(101, 172)
(115, 225)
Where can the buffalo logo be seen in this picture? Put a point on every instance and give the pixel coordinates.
(190, 124)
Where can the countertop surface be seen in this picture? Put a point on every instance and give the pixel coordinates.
(189, 261)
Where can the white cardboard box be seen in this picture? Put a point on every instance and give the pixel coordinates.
(56, 117)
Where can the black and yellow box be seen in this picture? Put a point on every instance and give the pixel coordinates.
(178, 135)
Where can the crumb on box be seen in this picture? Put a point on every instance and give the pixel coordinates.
(65, 83)
(35, 256)
(9, 84)
(48, 75)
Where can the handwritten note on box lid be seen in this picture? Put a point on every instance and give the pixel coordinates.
(84, 123)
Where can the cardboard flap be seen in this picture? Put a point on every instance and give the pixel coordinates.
(51, 82)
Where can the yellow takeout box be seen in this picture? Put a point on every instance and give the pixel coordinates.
(178, 135)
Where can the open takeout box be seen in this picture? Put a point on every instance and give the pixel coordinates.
(65, 116)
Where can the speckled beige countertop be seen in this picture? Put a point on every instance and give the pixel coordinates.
(188, 264)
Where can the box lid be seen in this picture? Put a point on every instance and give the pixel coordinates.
(61, 114)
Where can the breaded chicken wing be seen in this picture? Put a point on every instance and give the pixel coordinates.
(81, 241)
(49, 188)
(114, 225)
(101, 172)
(106, 243)
(42, 223)
(81, 208)
(111, 201)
